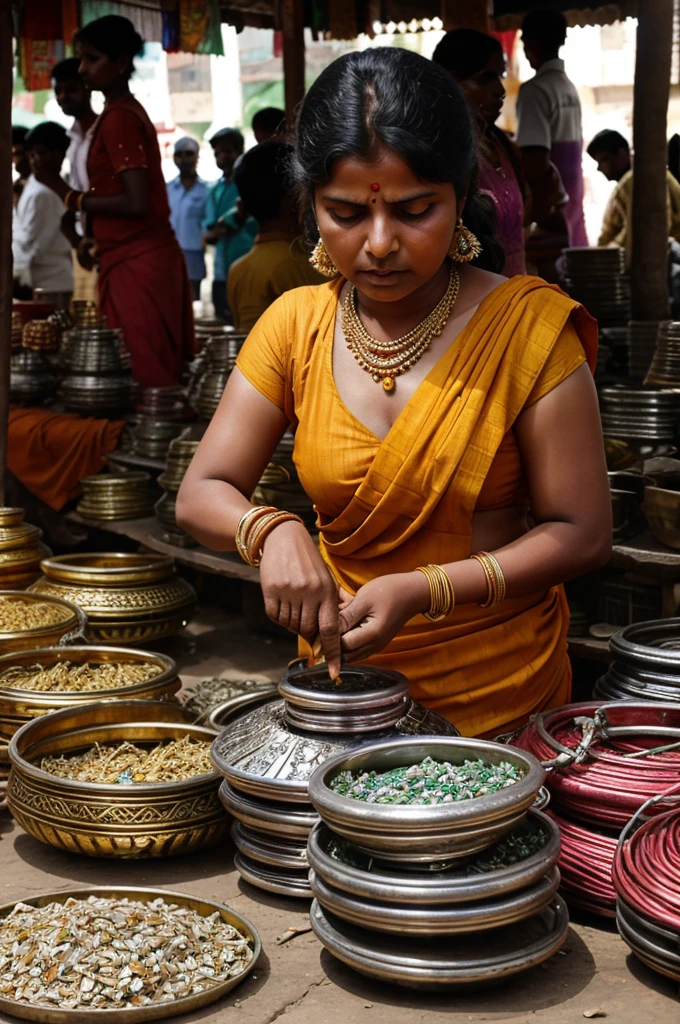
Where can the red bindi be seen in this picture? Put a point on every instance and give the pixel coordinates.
(375, 187)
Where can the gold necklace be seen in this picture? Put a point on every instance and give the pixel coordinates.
(386, 360)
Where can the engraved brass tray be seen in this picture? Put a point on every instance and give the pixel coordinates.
(132, 1015)
(157, 819)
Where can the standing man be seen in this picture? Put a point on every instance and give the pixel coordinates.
(41, 252)
(73, 97)
(225, 225)
(187, 195)
(19, 161)
(549, 117)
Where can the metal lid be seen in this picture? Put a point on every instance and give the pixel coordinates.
(363, 699)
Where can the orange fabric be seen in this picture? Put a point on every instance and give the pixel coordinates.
(505, 483)
(488, 669)
(51, 452)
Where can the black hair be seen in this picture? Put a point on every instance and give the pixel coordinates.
(19, 134)
(399, 99)
(271, 119)
(608, 141)
(547, 28)
(229, 133)
(465, 51)
(261, 179)
(66, 70)
(113, 36)
(49, 134)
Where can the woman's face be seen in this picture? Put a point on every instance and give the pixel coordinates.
(485, 91)
(390, 240)
(98, 71)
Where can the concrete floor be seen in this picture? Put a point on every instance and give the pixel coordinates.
(299, 982)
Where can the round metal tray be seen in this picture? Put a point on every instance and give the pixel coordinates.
(185, 1004)
(427, 920)
(444, 963)
(425, 833)
(278, 880)
(280, 853)
(392, 883)
(288, 821)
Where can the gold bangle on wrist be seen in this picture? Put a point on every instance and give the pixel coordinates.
(255, 526)
(79, 202)
(67, 198)
(442, 596)
(242, 529)
(495, 580)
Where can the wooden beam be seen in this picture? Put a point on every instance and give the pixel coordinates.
(6, 58)
(649, 256)
(293, 26)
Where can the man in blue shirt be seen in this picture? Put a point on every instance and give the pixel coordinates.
(187, 195)
(225, 225)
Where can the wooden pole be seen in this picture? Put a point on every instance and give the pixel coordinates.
(293, 26)
(649, 256)
(6, 56)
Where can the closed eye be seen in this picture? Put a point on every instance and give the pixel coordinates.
(417, 214)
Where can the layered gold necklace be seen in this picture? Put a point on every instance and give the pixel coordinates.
(387, 360)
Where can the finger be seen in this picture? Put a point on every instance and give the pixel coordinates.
(284, 614)
(362, 654)
(329, 634)
(357, 638)
(309, 621)
(344, 598)
(353, 615)
(294, 620)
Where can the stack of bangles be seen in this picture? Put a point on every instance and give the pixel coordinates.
(73, 201)
(254, 528)
(442, 597)
(495, 580)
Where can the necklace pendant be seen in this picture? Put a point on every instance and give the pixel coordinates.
(388, 383)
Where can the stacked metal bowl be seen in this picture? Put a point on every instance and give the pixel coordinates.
(31, 377)
(98, 377)
(637, 423)
(152, 436)
(627, 492)
(662, 508)
(21, 550)
(109, 497)
(268, 755)
(642, 341)
(280, 485)
(645, 663)
(434, 896)
(596, 277)
(180, 454)
(219, 359)
(665, 369)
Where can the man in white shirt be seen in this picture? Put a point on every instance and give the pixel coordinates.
(549, 116)
(74, 99)
(41, 252)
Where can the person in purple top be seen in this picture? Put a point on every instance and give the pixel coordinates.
(549, 116)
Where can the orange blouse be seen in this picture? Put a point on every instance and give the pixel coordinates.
(389, 505)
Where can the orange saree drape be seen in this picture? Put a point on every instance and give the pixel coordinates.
(485, 670)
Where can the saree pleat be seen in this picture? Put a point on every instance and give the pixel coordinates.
(488, 669)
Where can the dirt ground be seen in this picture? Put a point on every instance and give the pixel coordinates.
(299, 982)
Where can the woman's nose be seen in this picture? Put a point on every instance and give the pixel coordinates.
(381, 240)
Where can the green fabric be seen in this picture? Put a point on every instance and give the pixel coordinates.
(90, 10)
(213, 36)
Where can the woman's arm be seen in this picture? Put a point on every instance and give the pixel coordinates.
(560, 441)
(298, 590)
(131, 203)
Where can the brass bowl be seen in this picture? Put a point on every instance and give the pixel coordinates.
(41, 636)
(184, 1004)
(18, 706)
(21, 550)
(662, 511)
(157, 819)
(128, 598)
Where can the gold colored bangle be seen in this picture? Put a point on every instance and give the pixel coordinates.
(442, 596)
(264, 527)
(495, 580)
(67, 197)
(243, 528)
(79, 202)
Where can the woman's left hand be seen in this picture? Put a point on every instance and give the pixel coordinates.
(369, 621)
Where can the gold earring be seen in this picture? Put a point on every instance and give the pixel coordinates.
(465, 246)
(322, 262)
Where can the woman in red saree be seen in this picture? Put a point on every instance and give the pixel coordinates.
(143, 285)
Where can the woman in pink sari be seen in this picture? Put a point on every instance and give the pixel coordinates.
(477, 63)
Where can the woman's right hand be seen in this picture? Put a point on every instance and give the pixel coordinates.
(87, 254)
(299, 591)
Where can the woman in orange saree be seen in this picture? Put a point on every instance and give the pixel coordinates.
(496, 417)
